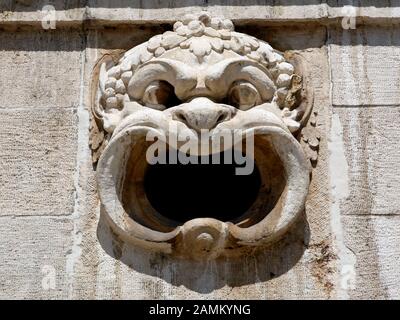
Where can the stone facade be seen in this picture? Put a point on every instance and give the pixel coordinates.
(57, 244)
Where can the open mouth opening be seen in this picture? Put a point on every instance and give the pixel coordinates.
(182, 192)
(164, 196)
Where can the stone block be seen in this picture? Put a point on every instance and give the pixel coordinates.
(370, 137)
(33, 257)
(37, 161)
(375, 241)
(365, 66)
(40, 69)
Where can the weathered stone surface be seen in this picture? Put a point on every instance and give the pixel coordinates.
(46, 169)
(32, 250)
(38, 159)
(375, 241)
(365, 66)
(121, 273)
(34, 61)
(372, 155)
(364, 207)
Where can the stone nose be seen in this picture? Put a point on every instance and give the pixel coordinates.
(202, 114)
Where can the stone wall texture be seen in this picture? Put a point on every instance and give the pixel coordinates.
(347, 244)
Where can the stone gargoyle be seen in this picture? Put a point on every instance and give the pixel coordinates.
(201, 75)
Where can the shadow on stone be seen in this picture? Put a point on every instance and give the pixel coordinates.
(206, 276)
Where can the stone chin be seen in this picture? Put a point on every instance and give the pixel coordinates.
(182, 91)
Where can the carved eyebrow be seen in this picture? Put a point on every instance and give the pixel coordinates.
(181, 76)
(224, 73)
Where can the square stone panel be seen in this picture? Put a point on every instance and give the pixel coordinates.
(375, 241)
(371, 143)
(365, 66)
(40, 69)
(31, 249)
(37, 161)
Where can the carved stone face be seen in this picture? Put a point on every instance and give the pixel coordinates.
(201, 76)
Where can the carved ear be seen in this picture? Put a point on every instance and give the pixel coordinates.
(309, 136)
(300, 98)
(99, 77)
(97, 136)
(112, 94)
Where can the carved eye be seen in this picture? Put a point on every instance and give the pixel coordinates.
(160, 95)
(243, 95)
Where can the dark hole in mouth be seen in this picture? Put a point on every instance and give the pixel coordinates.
(182, 192)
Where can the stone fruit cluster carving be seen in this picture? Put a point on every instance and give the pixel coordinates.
(201, 75)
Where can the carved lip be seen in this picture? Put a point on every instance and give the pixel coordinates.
(123, 159)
